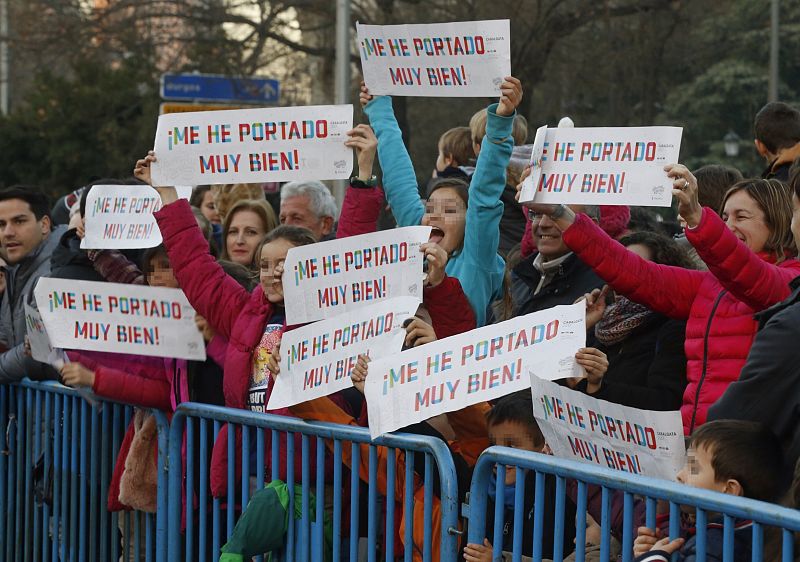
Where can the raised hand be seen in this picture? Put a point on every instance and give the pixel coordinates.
(142, 168)
(595, 305)
(436, 258)
(418, 332)
(359, 373)
(685, 190)
(363, 139)
(364, 97)
(274, 363)
(510, 96)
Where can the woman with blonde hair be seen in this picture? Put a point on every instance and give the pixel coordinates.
(244, 228)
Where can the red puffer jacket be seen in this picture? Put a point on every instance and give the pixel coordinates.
(718, 304)
(234, 313)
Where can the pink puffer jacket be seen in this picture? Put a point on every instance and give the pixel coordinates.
(718, 304)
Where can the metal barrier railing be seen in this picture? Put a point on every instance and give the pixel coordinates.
(614, 487)
(316, 444)
(58, 455)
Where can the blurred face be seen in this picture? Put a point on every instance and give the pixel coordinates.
(208, 208)
(20, 232)
(746, 220)
(244, 235)
(642, 251)
(698, 472)
(446, 212)
(515, 435)
(296, 211)
(796, 219)
(161, 274)
(273, 254)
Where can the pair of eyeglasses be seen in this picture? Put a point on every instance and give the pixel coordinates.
(534, 216)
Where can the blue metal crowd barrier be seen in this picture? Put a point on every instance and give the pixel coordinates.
(584, 479)
(197, 535)
(58, 455)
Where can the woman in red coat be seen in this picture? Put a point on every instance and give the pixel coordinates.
(747, 252)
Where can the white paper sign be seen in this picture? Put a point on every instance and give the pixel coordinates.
(579, 427)
(121, 217)
(317, 359)
(602, 166)
(459, 59)
(119, 318)
(253, 145)
(41, 350)
(328, 278)
(481, 365)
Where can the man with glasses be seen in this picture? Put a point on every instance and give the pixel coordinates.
(553, 275)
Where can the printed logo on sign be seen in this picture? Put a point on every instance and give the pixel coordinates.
(656, 192)
(339, 164)
(412, 289)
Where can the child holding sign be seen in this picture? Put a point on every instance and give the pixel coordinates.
(729, 456)
(468, 232)
(251, 322)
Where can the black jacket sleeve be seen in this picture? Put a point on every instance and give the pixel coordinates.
(664, 380)
(769, 379)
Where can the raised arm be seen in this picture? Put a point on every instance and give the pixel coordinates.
(363, 200)
(115, 267)
(747, 276)
(214, 294)
(399, 178)
(661, 288)
(481, 233)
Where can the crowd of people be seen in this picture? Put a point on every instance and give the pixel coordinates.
(696, 314)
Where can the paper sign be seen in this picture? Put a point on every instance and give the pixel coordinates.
(316, 360)
(460, 59)
(582, 428)
(121, 217)
(328, 278)
(41, 350)
(253, 145)
(602, 166)
(119, 318)
(478, 366)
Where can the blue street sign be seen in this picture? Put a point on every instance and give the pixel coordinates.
(212, 87)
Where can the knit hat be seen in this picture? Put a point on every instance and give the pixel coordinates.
(614, 219)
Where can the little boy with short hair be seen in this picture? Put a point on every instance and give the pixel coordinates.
(455, 154)
(735, 457)
(510, 423)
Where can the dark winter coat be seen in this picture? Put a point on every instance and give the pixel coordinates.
(70, 262)
(573, 279)
(646, 370)
(767, 389)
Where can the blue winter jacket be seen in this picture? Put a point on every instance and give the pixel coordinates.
(477, 265)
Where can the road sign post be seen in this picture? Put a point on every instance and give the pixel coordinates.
(216, 88)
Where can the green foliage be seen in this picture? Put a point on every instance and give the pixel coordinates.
(92, 121)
